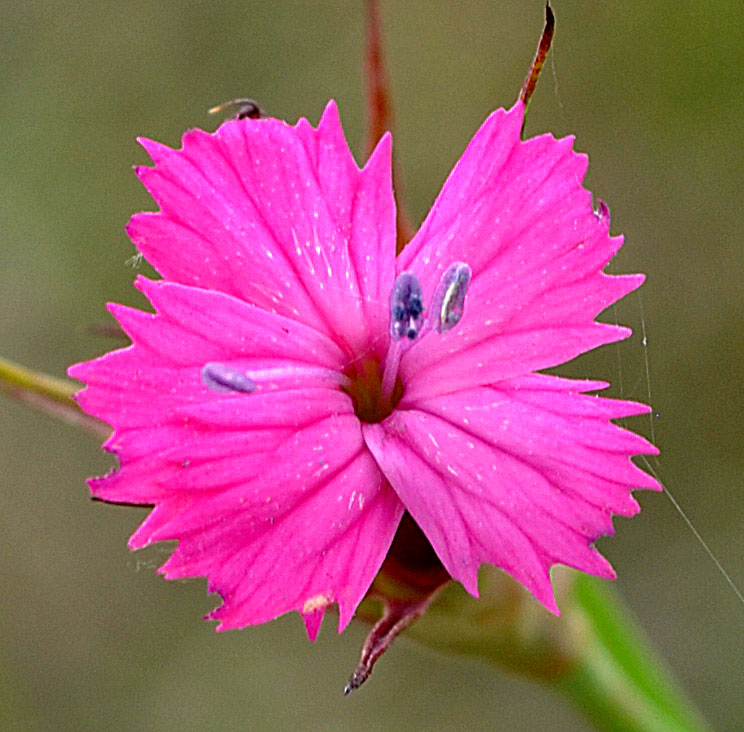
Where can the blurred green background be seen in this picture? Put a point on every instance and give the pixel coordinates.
(91, 638)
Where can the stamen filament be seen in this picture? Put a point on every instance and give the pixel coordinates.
(224, 378)
(390, 373)
(300, 374)
(406, 322)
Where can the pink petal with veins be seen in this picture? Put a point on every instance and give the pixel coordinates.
(280, 217)
(516, 212)
(277, 482)
(523, 474)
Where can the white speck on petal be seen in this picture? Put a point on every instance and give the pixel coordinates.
(317, 602)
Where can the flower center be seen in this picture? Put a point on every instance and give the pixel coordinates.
(376, 389)
(365, 391)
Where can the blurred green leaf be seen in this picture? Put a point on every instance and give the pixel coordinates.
(619, 682)
(594, 654)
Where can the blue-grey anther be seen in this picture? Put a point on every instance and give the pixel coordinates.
(406, 307)
(222, 378)
(448, 303)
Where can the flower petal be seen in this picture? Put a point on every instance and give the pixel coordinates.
(310, 529)
(516, 212)
(276, 482)
(260, 197)
(524, 475)
(141, 386)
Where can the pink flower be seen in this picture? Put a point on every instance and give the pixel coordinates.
(281, 432)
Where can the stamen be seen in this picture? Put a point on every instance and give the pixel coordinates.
(406, 319)
(222, 379)
(448, 303)
(406, 307)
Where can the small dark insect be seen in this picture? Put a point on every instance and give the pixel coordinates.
(246, 108)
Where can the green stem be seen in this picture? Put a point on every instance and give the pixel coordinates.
(617, 681)
(594, 655)
(47, 394)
